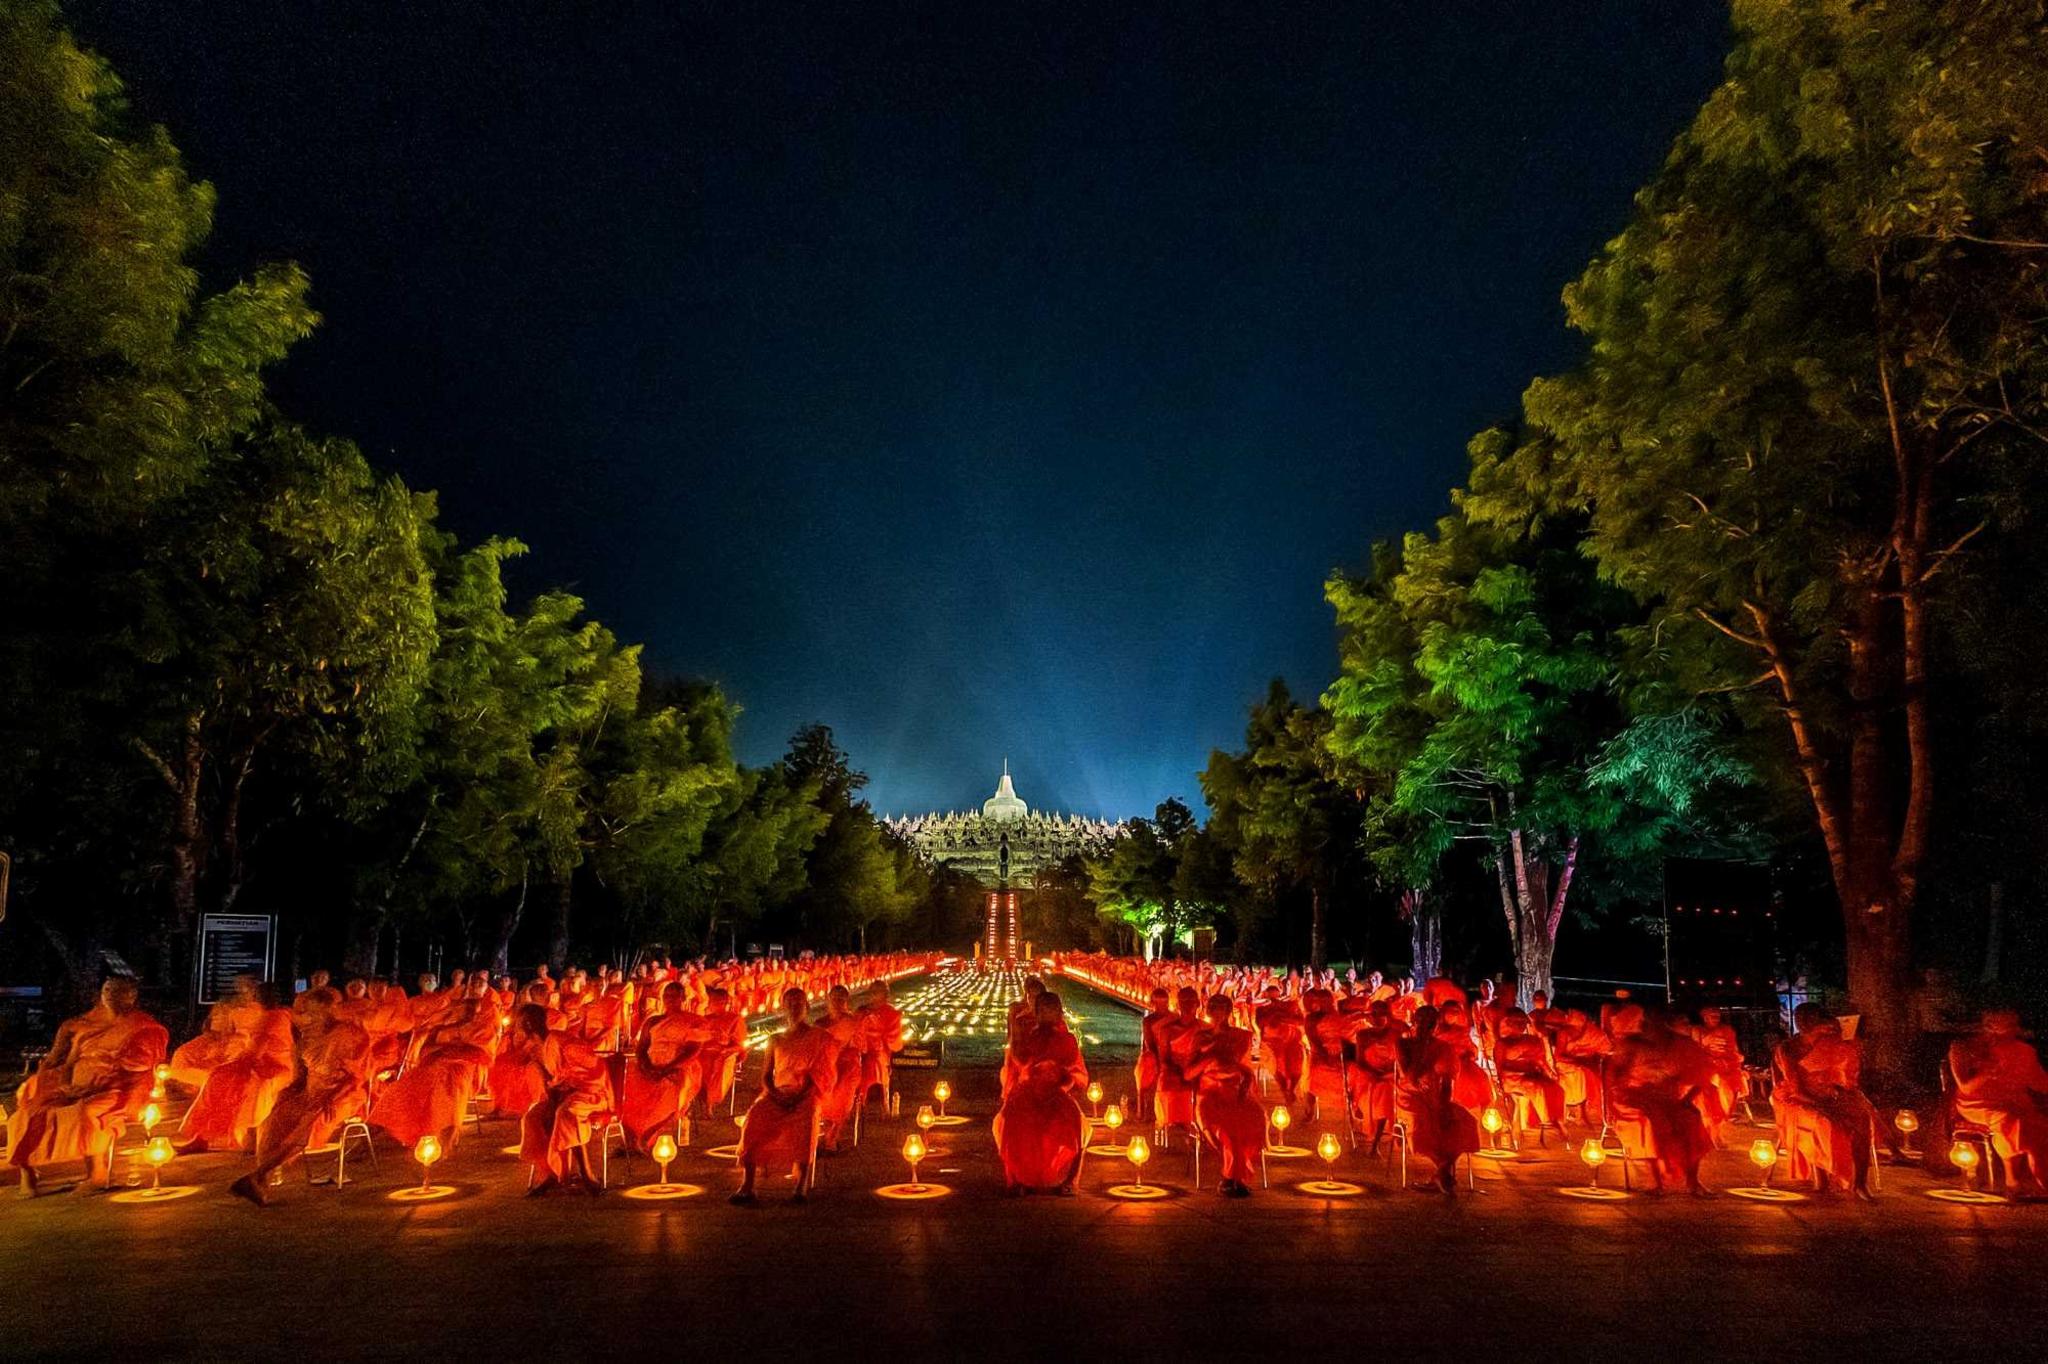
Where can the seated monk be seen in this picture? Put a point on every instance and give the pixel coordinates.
(1283, 1039)
(1439, 1128)
(1522, 1060)
(2001, 1087)
(1653, 1082)
(1731, 1080)
(514, 1077)
(95, 1078)
(238, 1092)
(1021, 1019)
(554, 1132)
(1376, 1049)
(1826, 1128)
(433, 1095)
(781, 1130)
(1146, 1073)
(319, 994)
(331, 1085)
(1227, 1108)
(723, 1046)
(1039, 1130)
(230, 1024)
(1175, 1106)
(662, 1076)
(1580, 1050)
(836, 1104)
(881, 1038)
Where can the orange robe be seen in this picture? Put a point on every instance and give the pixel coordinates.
(96, 1078)
(1146, 1072)
(515, 1078)
(1652, 1085)
(781, 1133)
(579, 1089)
(2001, 1087)
(835, 1105)
(239, 1092)
(1227, 1107)
(230, 1025)
(331, 1085)
(1372, 1075)
(719, 1056)
(1438, 1126)
(1040, 1130)
(1176, 1092)
(1526, 1073)
(1825, 1125)
(881, 1039)
(434, 1093)
(1731, 1083)
(1328, 1031)
(1283, 1037)
(662, 1076)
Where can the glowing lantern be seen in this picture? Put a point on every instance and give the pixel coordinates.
(1595, 1155)
(1113, 1118)
(663, 1151)
(426, 1151)
(1763, 1153)
(158, 1153)
(151, 1116)
(942, 1091)
(1138, 1153)
(1492, 1121)
(1963, 1155)
(1095, 1097)
(162, 1072)
(1908, 1122)
(914, 1151)
(925, 1117)
(1329, 1148)
(1282, 1119)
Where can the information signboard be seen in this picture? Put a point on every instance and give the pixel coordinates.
(232, 945)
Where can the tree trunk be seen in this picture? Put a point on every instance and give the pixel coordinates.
(1318, 930)
(359, 954)
(1425, 932)
(501, 945)
(1534, 911)
(558, 929)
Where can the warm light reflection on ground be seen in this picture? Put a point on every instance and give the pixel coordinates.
(168, 1193)
(1760, 1195)
(663, 1191)
(1138, 1193)
(1331, 1188)
(1593, 1195)
(415, 1193)
(913, 1193)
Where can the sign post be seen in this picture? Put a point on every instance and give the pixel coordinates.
(232, 945)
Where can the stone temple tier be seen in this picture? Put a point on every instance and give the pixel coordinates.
(1005, 844)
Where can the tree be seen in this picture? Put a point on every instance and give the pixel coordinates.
(1278, 806)
(1816, 378)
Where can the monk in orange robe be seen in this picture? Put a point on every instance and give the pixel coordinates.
(239, 1092)
(318, 994)
(1227, 1107)
(1175, 1106)
(1439, 1128)
(331, 1085)
(881, 1038)
(835, 1105)
(1653, 1081)
(781, 1130)
(554, 1132)
(95, 1078)
(1283, 1038)
(1328, 1031)
(1146, 1072)
(434, 1093)
(2001, 1087)
(1580, 1050)
(514, 1076)
(1040, 1130)
(230, 1024)
(1826, 1127)
(720, 1052)
(1376, 1047)
(662, 1077)
(1521, 1057)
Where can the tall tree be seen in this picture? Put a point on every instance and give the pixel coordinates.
(1817, 375)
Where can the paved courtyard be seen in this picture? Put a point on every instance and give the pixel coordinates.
(1516, 1269)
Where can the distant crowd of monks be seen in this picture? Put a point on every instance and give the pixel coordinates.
(1428, 1059)
(564, 1056)
(1419, 1062)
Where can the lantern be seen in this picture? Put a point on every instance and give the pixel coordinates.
(1763, 1153)
(1492, 1121)
(1138, 1153)
(663, 1151)
(925, 1117)
(1095, 1098)
(1329, 1148)
(914, 1151)
(1964, 1156)
(1595, 1155)
(151, 1116)
(1908, 1122)
(1113, 1118)
(1282, 1119)
(158, 1153)
(942, 1091)
(426, 1151)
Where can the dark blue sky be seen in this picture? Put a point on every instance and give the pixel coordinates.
(978, 379)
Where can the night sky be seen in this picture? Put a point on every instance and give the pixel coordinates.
(979, 379)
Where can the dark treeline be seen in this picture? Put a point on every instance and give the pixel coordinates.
(241, 668)
(1758, 579)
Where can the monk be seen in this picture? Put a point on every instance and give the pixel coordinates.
(1227, 1108)
(1439, 1128)
(514, 1078)
(1022, 1018)
(1826, 1127)
(781, 1129)
(662, 1076)
(836, 1103)
(724, 1043)
(881, 1038)
(1146, 1072)
(554, 1131)
(95, 1078)
(1283, 1038)
(2001, 1087)
(1731, 1081)
(230, 1024)
(1580, 1050)
(1653, 1082)
(238, 1093)
(331, 1084)
(1521, 1057)
(1040, 1131)
(1376, 1049)
(449, 1061)
(1175, 1041)
(318, 994)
